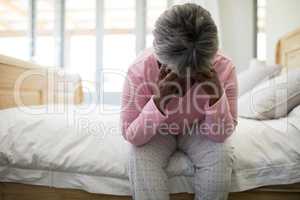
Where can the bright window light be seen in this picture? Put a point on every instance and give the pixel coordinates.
(261, 30)
(79, 47)
(80, 38)
(14, 26)
(119, 42)
(45, 36)
(154, 9)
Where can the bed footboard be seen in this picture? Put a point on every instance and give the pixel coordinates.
(13, 191)
(25, 83)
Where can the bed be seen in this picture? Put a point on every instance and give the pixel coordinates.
(68, 177)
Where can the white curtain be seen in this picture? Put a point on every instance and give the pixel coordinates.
(211, 5)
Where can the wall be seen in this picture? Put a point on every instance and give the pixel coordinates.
(282, 17)
(238, 30)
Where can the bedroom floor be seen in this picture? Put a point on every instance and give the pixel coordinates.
(11, 191)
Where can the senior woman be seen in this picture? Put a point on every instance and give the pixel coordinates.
(180, 95)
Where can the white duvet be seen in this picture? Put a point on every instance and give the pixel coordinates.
(73, 148)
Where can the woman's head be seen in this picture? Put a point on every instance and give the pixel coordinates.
(186, 38)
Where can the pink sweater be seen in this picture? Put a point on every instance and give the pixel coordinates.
(141, 119)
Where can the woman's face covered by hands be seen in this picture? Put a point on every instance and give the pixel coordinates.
(181, 83)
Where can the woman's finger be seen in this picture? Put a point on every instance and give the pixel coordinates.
(162, 72)
(170, 77)
(200, 77)
(208, 73)
(204, 75)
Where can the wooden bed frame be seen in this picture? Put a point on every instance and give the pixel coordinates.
(40, 87)
(24, 83)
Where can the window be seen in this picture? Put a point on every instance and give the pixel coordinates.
(14, 28)
(154, 10)
(45, 33)
(119, 42)
(66, 34)
(80, 38)
(261, 30)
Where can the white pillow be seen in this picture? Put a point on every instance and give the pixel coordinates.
(256, 73)
(294, 117)
(295, 112)
(273, 98)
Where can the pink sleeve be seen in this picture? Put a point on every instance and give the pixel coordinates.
(221, 118)
(140, 117)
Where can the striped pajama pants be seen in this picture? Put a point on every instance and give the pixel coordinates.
(212, 163)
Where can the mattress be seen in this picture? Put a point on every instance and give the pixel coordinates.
(82, 148)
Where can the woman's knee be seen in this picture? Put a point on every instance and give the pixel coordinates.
(138, 152)
(223, 155)
(214, 154)
(224, 151)
(147, 155)
(159, 148)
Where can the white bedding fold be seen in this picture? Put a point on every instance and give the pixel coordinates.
(88, 149)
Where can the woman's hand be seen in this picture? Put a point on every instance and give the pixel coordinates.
(210, 83)
(169, 85)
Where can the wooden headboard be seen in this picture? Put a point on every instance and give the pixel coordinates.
(24, 83)
(288, 50)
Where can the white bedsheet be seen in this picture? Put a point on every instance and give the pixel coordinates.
(85, 150)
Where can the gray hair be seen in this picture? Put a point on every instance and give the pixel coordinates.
(186, 36)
